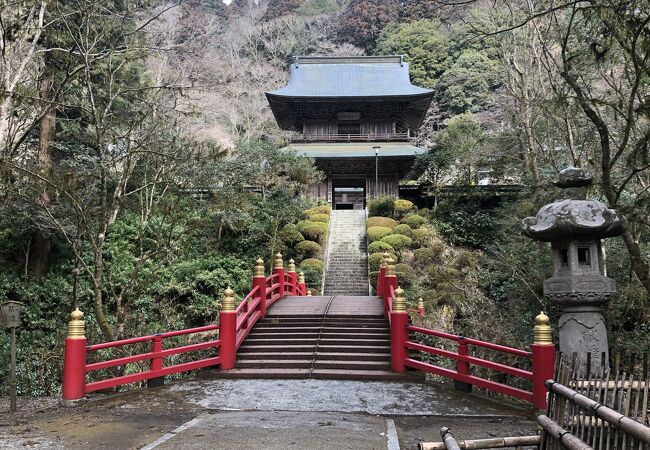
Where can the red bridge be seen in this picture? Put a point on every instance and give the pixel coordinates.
(279, 331)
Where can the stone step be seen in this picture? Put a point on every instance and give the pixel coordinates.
(331, 356)
(274, 363)
(352, 365)
(278, 356)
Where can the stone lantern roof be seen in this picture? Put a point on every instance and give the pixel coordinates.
(576, 217)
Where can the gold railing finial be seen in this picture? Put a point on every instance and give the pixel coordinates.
(278, 263)
(76, 325)
(384, 259)
(543, 332)
(292, 266)
(390, 267)
(228, 304)
(420, 303)
(259, 268)
(301, 277)
(399, 302)
(308, 292)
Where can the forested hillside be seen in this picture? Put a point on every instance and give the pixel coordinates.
(140, 171)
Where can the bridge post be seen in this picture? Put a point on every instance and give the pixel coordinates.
(259, 281)
(390, 280)
(462, 367)
(302, 284)
(156, 363)
(398, 333)
(543, 352)
(228, 331)
(278, 268)
(74, 362)
(293, 276)
(421, 307)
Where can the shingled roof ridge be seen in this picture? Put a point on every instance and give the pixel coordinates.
(386, 59)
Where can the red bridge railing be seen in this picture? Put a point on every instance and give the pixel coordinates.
(234, 326)
(404, 338)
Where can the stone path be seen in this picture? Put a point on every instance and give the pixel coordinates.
(347, 257)
(269, 414)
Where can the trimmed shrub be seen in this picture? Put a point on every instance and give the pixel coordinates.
(376, 233)
(303, 224)
(374, 260)
(373, 279)
(381, 206)
(405, 274)
(381, 222)
(423, 236)
(312, 263)
(290, 236)
(321, 209)
(424, 212)
(403, 229)
(414, 221)
(325, 218)
(397, 241)
(316, 231)
(308, 248)
(402, 207)
(380, 247)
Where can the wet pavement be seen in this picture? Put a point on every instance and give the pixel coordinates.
(269, 414)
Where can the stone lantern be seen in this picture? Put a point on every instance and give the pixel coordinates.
(575, 227)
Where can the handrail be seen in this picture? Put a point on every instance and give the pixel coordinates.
(470, 341)
(151, 337)
(245, 300)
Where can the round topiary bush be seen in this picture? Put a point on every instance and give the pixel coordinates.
(321, 209)
(402, 207)
(423, 236)
(381, 206)
(405, 274)
(303, 224)
(374, 260)
(397, 241)
(312, 263)
(381, 222)
(325, 218)
(380, 247)
(316, 231)
(376, 233)
(403, 229)
(308, 248)
(414, 221)
(424, 212)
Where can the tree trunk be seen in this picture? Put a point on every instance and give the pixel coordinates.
(40, 248)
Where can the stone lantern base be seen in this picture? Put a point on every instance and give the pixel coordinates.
(582, 330)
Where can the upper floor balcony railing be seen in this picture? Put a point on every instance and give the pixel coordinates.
(360, 137)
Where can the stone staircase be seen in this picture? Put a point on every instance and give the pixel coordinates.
(340, 337)
(347, 256)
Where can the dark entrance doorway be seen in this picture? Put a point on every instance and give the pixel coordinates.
(349, 193)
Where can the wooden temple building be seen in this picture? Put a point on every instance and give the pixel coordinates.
(356, 116)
